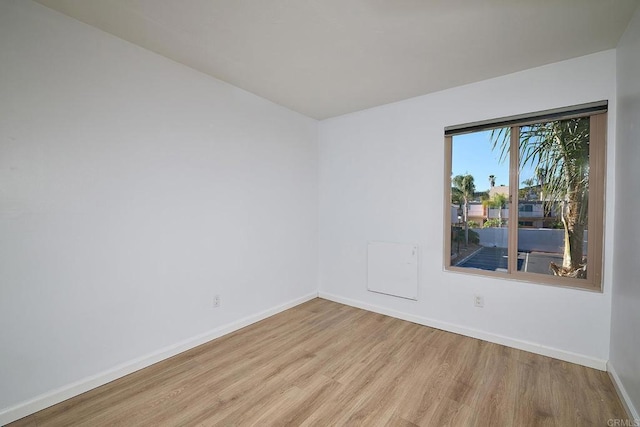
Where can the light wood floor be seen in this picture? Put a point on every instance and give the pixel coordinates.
(327, 364)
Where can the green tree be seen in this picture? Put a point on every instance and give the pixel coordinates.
(493, 222)
(498, 201)
(526, 193)
(559, 153)
(463, 189)
(473, 237)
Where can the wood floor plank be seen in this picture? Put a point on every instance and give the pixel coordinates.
(324, 364)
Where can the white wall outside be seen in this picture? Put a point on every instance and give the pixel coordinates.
(529, 239)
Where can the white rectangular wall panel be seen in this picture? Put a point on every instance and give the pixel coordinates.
(392, 269)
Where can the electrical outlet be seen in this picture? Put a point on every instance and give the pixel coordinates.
(216, 301)
(478, 301)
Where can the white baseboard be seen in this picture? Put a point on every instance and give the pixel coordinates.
(632, 411)
(53, 397)
(567, 356)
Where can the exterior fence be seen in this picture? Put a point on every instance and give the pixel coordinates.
(529, 239)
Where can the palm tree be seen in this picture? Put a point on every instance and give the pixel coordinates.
(498, 201)
(526, 193)
(559, 152)
(463, 188)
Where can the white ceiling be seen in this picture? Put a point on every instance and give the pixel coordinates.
(324, 58)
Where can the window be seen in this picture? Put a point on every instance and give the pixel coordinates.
(527, 193)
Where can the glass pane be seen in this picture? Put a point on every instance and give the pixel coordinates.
(553, 198)
(479, 195)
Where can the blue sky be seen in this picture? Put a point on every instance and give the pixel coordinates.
(473, 154)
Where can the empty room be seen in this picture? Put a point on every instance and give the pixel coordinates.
(319, 212)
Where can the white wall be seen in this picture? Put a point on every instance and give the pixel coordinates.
(381, 178)
(133, 189)
(625, 306)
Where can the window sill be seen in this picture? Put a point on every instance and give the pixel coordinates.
(532, 278)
